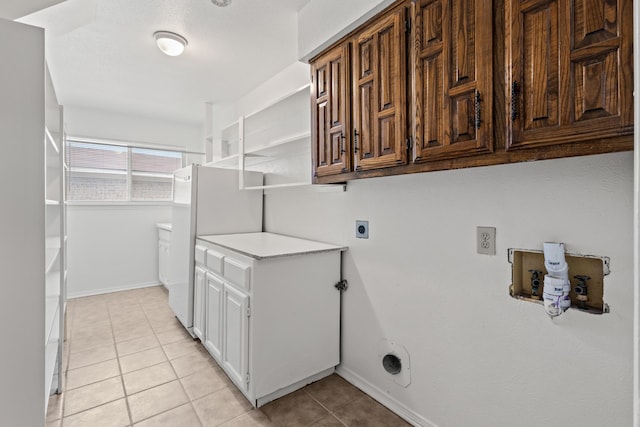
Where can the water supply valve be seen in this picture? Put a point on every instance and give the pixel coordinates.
(581, 290)
(535, 283)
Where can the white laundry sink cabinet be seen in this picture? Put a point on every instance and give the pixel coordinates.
(267, 310)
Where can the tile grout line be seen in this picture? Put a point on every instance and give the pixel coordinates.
(199, 342)
(93, 407)
(110, 305)
(108, 302)
(66, 348)
(124, 389)
(324, 407)
(155, 334)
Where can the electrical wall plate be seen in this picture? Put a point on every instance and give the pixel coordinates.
(486, 240)
(362, 229)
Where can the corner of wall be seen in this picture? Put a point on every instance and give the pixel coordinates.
(323, 22)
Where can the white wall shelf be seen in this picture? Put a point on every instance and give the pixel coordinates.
(274, 138)
(55, 242)
(276, 147)
(52, 259)
(225, 162)
(33, 213)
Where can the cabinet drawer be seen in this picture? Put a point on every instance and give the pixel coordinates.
(164, 235)
(237, 273)
(214, 261)
(200, 254)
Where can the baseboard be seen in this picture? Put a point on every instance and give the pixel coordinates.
(383, 398)
(72, 295)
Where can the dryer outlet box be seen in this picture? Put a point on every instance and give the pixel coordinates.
(362, 229)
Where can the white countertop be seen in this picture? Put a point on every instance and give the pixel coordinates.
(164, 226)
(269, 245)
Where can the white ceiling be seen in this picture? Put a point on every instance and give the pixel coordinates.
(12, 9)
(102, 55)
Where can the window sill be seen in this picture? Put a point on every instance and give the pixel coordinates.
(119, 203)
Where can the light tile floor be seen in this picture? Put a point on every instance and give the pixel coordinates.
(129, 362)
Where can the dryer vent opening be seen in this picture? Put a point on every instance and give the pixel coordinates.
(392, 364)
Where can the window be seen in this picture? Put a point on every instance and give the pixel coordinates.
(152, 173)
(103, 172)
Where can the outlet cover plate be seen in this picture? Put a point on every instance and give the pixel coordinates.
(362, 229)
(486, 240)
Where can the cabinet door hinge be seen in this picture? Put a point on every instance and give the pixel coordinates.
(247, 378)
(407, 25)
(248, 311)
(409, 143)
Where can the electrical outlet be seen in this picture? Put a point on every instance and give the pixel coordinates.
(362, 229)
(486, 240)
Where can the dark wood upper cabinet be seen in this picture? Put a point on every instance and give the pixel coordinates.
(452, 89)
(443, 84)
(379, 93)
(569, 71)
(330, 112)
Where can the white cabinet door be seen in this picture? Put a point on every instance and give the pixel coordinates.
(163, 261)
(199, 303)
(235, 351)
(213, 331)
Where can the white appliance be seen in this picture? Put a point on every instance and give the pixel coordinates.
(206, 201)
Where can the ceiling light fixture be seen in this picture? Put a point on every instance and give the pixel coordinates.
(221, 3)
(170, 43)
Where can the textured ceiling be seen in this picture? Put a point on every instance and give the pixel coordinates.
(102, 55)
(12, 9)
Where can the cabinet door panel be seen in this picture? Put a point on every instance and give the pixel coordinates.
(363, 132)
(163, 262)
(324, 152)
(462, 41)
(595, 20)
(379, 93)
(213, 331)
(235, 351)
(594, 78)
(199, 303)
(430, 106)
(330, 121)
(452, 67)
(570, 65)
(463, 124)
(541, 70)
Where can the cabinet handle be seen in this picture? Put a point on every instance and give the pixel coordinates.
(342, 143)
(477, 103)
(515, 92)
(355, 140)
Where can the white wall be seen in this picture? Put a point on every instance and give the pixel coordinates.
(84, 122)
(479, 357)
(114, 247)
(323, 22)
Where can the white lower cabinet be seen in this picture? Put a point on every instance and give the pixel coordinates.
(213, 332)
(163, 262)
(164, 246)
(199, 302)
(271, 310)
(235, 349)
